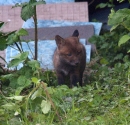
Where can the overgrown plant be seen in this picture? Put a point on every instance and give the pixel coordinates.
(3, 45)
(29, 10)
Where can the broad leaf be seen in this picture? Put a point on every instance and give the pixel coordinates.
(101, 5)
(103, 61)
(123, 39)
(128, 51)
(28, 9)
(10, 106)
(1, 24)
(18, 90)
(38, 3)
(22, 32)
(36, 94)
(27, 12)
(34, 64)
(18, 59)
(46, 106)
(3, 43)
(12, 39)
(23, 81)
(121, 17)
(35, 80)
(18, 98)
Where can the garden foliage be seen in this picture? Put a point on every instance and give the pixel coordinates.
(32, 96)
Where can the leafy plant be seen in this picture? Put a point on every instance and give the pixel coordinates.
(108, 4)
(107, 46)
(29, 10)
(120, 18)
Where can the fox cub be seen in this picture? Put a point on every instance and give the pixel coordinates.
(69, 59)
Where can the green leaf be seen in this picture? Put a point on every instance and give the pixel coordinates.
(23, 81)
(1, 24)
(35, 80)
(24, 55)
(19, 58)
(12, 38)
(14, 62)
(45, 106)
(18, 90)
(22, 32)
(128, 51)
(118, 56)
(10, 106)
(27, 12)
(36, 94)
(123, 39)
(103, 61)
(37, 3)
(34, 64)
(114, 27)
(18, 98)
(121, 17)
(101, 5)
(3, 43)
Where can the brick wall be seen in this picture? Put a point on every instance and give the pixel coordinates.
(59, 11)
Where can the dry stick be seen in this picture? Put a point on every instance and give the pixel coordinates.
(36, 32)
(49, 97)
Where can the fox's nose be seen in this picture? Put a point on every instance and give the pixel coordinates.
(77, 63)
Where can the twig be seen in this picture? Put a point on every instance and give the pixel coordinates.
(30, 51)
(18, 47)
(36, 32)
(49, 97)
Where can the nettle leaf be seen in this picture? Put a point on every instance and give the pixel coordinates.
(103, 61)
(3, 43)
(118, 56)
(126, 23)
(128, 51)
(36, 94)
(27, 12)
(45, 106)
(10, 106)
(38, 3)
(119, 16)
(22, 32)
(105, 45)
(101, 5)
(123, 39)
(18, 98)
(19, 58)
(28, 9)
(34, 64)
(18, 90)
(14, 62)
(24, 55)
(12, 39)
(35, 80)
(23, 81)
(1, 24)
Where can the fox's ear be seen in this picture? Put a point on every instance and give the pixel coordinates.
(59, 41)
(76, 33)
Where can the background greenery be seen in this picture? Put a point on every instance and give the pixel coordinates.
(30, 95)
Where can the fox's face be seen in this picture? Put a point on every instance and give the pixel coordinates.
(69, 50)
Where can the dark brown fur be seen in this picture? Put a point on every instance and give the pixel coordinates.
(69, 59)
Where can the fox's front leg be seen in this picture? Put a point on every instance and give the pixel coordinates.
(74, 79)
(60, 78)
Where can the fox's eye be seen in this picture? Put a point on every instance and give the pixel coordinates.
(78, 52)
(69, 54)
